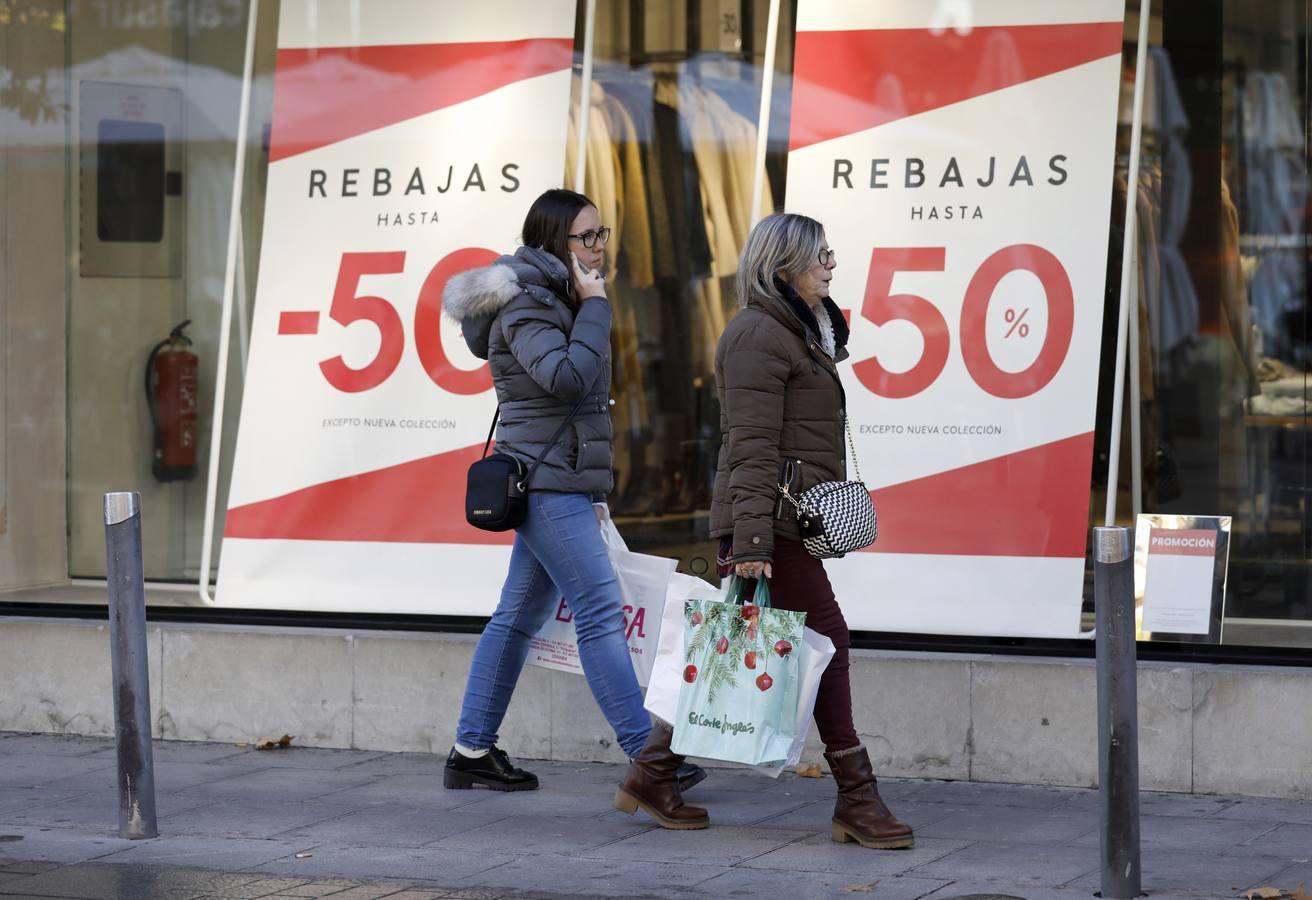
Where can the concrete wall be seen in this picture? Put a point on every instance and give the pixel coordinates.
(1207, 729)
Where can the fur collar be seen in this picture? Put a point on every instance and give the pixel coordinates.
(804, 312)
(482, 293)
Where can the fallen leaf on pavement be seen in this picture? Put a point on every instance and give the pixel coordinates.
(1274, 893)
(810, 771)
(282, 743)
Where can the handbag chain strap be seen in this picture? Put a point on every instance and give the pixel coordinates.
(788, 494)
(856, 466)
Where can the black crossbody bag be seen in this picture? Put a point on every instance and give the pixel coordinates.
(496, 494)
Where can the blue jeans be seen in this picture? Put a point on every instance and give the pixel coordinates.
(558, 552)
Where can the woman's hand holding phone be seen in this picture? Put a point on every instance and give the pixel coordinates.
(587, 282)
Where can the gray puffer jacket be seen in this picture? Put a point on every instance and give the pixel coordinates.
(543, 357)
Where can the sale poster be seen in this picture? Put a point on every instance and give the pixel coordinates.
(963, 172)
(406, 145)
(1178, 593)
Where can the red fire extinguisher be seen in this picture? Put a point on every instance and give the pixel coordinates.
(172, 373)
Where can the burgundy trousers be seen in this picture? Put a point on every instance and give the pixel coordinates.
(800, 583)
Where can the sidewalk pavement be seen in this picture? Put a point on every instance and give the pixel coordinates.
(303, 822)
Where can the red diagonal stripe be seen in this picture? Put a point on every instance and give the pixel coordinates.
(325, 95)
(849, 81)
(418, 502)
(1031, 503)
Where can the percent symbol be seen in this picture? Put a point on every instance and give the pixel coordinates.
(1017, 322)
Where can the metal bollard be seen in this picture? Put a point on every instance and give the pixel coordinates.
(131, 673)
(1118, 713)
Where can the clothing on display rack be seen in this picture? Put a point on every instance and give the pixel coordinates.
(1275, 180)
(670, 162)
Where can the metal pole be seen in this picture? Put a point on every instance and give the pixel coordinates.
(1127, 259)
(1136, 396)
(585, 96)
(225, 316)
(1118, 713)
(131, 670)
(763, 119)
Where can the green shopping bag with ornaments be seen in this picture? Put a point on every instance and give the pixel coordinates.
(741, 677)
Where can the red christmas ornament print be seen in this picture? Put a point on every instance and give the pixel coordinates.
(764, 681)
(690, 674)
(750, 659)
(722, 645)
(696, 618)
(783, 648)
(751, 611)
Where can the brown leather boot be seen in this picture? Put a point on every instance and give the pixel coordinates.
(860, 814)
(652, 783)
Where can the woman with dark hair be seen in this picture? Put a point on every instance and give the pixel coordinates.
(782, 421)
(541, 319)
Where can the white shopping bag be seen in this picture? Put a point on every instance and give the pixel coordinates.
(667, 675)
(643, 583)
(816, 652)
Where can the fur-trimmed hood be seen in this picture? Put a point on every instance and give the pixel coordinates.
(474, 298)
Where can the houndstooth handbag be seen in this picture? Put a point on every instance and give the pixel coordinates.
(834, 518)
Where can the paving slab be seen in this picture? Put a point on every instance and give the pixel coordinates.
(169, 777)
(443, 866)
(177, 751)
(392, 825)
(726, 845)
(204, 852)
(105, 882)
(52, 744)
(989, 890)
(1179, 833)
(25, 770)
(1165, 871)
(730, 807)
(1297, 875)
(247, 818)
(1016, 865)
(743, 882)
(1291, 841)
(542, 834)
(984, 793)
(430, 764)
(97, 811)
(820, 853)
(277, 784)
(420, 791)
(377, 824)
(14, 800)
(1160, 803)
(609, 878)
(550, 800)
(294, 757)
(1016, 824)
(1295, 812)
(55, 846)
(818, 815)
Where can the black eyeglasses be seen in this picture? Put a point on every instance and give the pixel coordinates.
(590, 238)
(826, 256)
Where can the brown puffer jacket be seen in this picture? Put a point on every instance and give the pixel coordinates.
(781, 400)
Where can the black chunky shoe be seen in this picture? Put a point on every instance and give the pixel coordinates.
(492, 771)
(690, 774)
